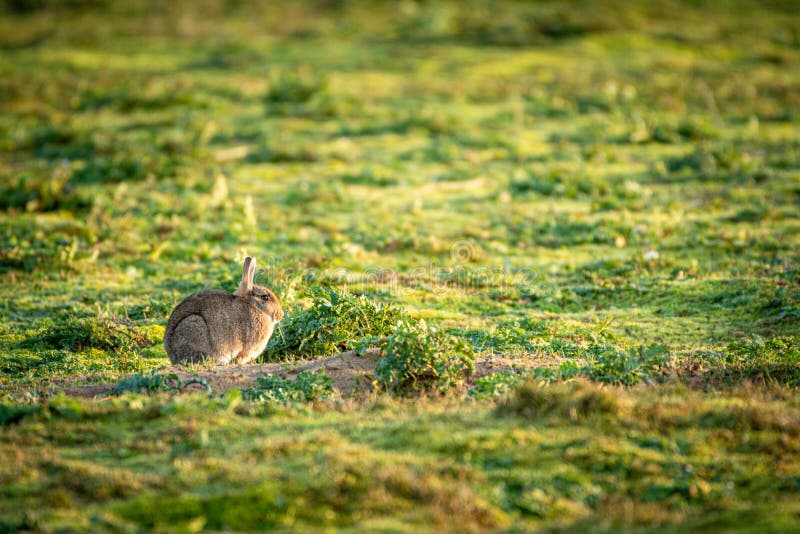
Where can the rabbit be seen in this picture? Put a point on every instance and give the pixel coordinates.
(223, 327)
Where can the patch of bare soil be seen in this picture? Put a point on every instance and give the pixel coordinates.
(487, 364)
(351, 374)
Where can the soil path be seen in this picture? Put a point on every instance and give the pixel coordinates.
(349, 372)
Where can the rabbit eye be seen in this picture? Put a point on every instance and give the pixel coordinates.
(264, 297)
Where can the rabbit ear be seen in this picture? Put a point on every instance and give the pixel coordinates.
(251, 274)
(248, 272)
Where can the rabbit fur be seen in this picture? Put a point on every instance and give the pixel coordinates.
(223, 327)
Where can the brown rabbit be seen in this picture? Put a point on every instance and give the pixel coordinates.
(223, 327)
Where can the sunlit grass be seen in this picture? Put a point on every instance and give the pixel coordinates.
(570, 183)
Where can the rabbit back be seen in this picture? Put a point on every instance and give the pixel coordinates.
(188, 340)
(218, 326)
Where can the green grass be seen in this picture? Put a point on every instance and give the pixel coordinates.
(563, 456)
(609, 188)
(334, 322)
(306, 387)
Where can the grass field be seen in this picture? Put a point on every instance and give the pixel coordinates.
(605, 196)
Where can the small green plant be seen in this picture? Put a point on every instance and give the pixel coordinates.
(306, 387)
(421, 358)
(517, 335)
(609, 364)
(334, 322)
(155, 382)
(759, 350)
(499, 383)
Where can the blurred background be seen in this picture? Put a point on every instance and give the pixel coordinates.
(603, 148)
(607, 190)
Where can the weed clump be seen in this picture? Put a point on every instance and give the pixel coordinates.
(498, 384)
(335, 322)
(29, 244)
(771, 360)
(307, 387)
(501, 383)
(573, 185)
(723, 162)
(599, 363)
(110, 339)
(516, 335)
(77, 334)
(110, 170)
(421, 358)
(14, 413)
(43, 193)
(154, 382)
(575, 400)
(57, 142)
(660, 130)
(482, 23)
(418, 358)
(608, 364)
(293, 88)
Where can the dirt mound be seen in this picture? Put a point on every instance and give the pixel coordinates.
(349, 372)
